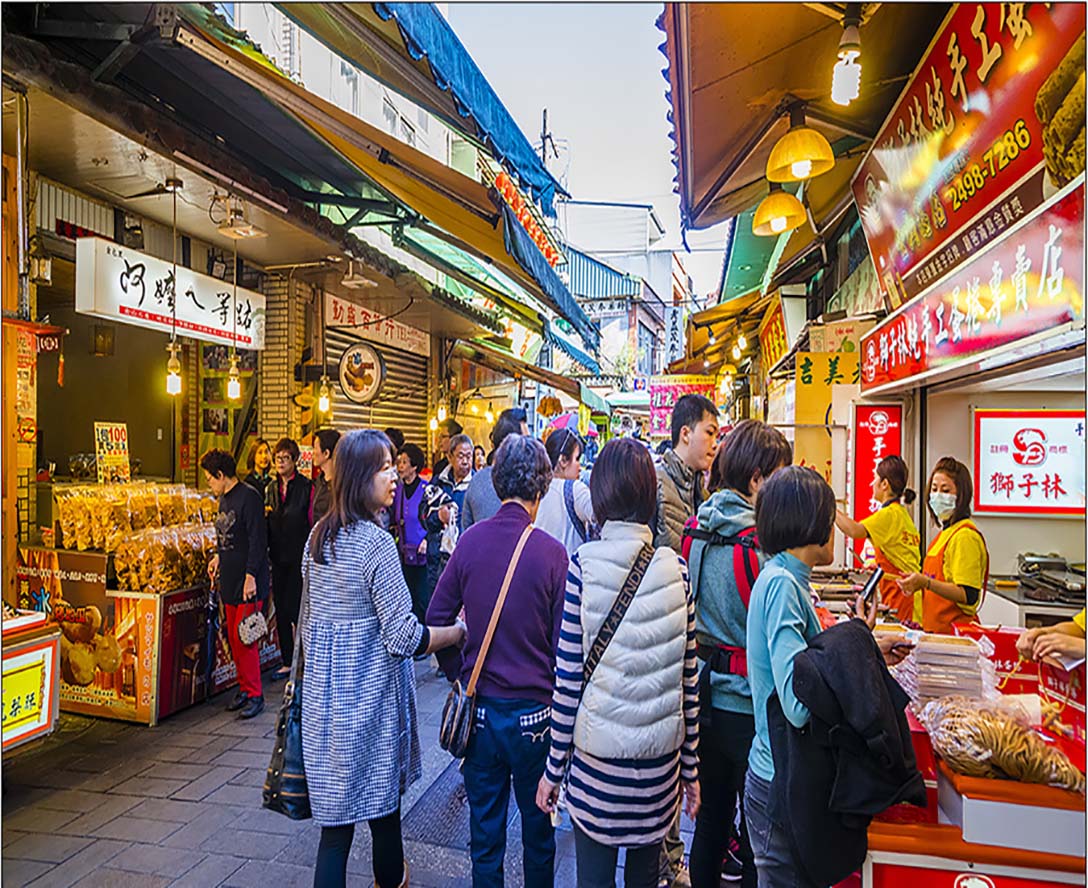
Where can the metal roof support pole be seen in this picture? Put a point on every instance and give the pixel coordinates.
(21, 136)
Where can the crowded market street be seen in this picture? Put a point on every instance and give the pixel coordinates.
(548, 445)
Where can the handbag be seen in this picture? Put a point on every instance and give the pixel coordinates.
(285, 790)
(459, 713)
(253, 628)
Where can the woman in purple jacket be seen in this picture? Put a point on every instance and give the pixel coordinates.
(509, 743)
(407, 527)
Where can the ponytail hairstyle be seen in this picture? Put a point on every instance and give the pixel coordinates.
(893, 470)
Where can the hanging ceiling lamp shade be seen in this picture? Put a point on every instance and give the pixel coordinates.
(780, 211)
(800, 154)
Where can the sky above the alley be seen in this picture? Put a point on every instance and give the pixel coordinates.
(597, 70)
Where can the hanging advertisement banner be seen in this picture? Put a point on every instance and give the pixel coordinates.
(773, 342)
(877, 433)
(1030, 281)
(125, 285)
(665, 391)
(111, 452)
(375, 327)
(816, 373)
(990, 125)
(1029, 462)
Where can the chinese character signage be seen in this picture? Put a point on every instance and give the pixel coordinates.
(773, 342)
(674, 333)
(375, 327)
(120, 284)
(988, 127)
(665, 391)
(1029, 462)
(1030, 281)
(816, 373)
(877, 433)
(29, 691)
(111, 452)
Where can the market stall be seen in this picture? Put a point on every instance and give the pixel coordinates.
(31, 666)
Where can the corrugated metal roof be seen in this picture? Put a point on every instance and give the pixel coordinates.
(592, 279)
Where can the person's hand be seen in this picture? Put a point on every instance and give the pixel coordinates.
(867, 614)
(462, 633)
(444, 514)
(911, 583)
(422, 547)
(692, 799)
(249, 588)
(547, 794)
(1052, 645)
(1025, 644)
(894, 649)
(213, 567)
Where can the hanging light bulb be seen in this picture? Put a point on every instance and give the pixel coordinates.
(726, 384)
(710, 338)
(846, 75)
(324, 400)
(434, 424)
(780, 211)
(441, 412)
(801, 153)
(736, 352)
(474, 407)
(173, 371)
(489, 416)
(742, 342)
(234, 384)
(706, 363)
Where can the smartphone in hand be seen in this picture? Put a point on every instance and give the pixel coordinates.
(873, 583)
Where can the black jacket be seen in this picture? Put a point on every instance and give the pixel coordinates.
(288, 520)
(853, 759)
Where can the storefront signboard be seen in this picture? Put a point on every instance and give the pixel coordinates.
(773, 342)
(877, 433)
(375, 327)
(985, 131)
(362, 372)
(120, 284)
(26, 363)
(816, 373)
(1029, 462)
(1028, 282)
(29, 682)
(111, 452)
(674, 333)
(840, 336)
(665, 391)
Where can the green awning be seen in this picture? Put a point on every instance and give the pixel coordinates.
(595, 403)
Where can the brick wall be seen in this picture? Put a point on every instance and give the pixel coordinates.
(284, 341)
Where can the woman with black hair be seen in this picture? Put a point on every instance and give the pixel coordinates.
(358, 635)
(895, 538)
(957, 565)
(566, 512)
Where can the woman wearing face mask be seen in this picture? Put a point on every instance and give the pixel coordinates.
(892, 531)
(957, 564)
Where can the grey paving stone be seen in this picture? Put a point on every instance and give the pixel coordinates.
(18, 873)
(242, 759)
(232, 794)
(167, 809)
(204, 786)
(134, 829)
(153, 787)
(111, 807)
(212, 871)
(107, 780)
(172, 752)
(45, 848)
(264, 821)
(79, 865)
(254, 744)
(214, 747)
(253, 727)
(261, 874)
(250, 777)
(302, 849)
(175, 771)
(108, 877)
(77, 800)
(156, 861)
(210, 822)
(54, 778)
(256, 846)
(7, 836)
(35, 818)
(188, 738)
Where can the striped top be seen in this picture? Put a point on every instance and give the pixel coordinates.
(617, 802)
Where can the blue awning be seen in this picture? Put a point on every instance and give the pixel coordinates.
(571, 351)
(528, 256)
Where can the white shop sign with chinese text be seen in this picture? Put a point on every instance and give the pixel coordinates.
(1029, 462)
(366, 323)
(125, 285)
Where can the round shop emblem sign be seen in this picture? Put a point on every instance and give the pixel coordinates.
(362, 373)
(971, 880)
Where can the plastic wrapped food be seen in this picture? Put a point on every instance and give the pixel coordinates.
(944, 665)
(984, 740)
(171, 499)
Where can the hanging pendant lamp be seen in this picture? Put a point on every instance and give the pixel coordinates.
(801, 153)
(780, 211)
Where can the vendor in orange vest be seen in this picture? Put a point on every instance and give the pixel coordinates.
(954, 573)
(892, 532)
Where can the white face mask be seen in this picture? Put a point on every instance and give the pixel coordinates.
(942, 504)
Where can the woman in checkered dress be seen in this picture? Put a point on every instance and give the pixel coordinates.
(358, 633)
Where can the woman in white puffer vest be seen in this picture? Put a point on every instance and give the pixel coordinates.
(630, 734)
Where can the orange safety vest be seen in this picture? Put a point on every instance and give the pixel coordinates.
(939, 613)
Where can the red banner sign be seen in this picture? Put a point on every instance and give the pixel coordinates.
(990, 125)
(1029, 281)
(665, 391)
(878, 432)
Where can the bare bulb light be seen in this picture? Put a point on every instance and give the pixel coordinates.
(173, 371)
(801, 169)
(742, 343)
(736, 352)
(434, 424)
(778, 224)
(441, 412)
(845, 81)
(475, 408)
(489, 416)
(234, 384)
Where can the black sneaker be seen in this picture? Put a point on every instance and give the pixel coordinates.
(254, 706)
(732, 868)
(238, 702)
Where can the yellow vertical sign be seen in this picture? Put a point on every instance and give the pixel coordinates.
(816, 373)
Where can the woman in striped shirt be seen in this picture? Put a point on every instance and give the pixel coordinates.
(630, 734)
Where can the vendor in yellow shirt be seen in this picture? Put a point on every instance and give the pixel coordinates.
(891, 530)
(1063, 640)
(957, 566)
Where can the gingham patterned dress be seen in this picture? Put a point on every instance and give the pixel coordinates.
(359, 739)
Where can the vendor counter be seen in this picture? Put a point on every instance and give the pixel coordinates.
(1011, 605)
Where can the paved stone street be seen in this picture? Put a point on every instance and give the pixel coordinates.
(104, 803)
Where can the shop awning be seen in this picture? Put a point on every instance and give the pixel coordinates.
(733, 67)
(460, 209)
(637, 402)
(597, 405)
(571, 350)
(411, 48)
(504, 362)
